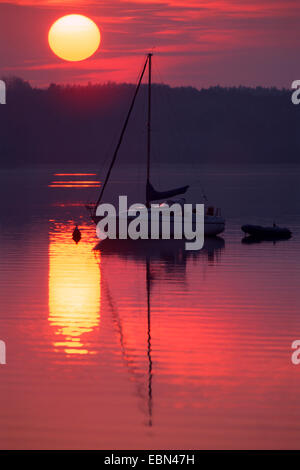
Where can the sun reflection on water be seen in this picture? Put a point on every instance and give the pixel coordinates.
(74, 290)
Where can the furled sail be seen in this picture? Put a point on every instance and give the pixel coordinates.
(153, 195)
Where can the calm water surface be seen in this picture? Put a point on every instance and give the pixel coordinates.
(148, 346)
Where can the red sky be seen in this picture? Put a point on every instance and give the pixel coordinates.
(197, 42)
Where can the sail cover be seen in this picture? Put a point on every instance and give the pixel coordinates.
(153, 195)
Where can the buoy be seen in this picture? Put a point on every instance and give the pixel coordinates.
(76, 234)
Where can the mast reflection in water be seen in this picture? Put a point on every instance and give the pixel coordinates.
(161, 257)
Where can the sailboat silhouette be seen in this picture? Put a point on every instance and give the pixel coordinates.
(214, 224)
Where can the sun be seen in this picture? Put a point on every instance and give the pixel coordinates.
(74, 37)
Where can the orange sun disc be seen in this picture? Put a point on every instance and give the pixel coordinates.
(74, 37)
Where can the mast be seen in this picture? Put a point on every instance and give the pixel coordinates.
(149, 128)
(122, 133)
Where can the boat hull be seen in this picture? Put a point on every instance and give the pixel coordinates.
(213, 226)
(267, 233)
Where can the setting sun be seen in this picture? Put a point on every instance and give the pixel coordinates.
(74, 37)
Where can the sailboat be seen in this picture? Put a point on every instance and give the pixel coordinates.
(214, 223)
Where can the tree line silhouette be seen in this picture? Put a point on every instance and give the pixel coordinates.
(80, 124)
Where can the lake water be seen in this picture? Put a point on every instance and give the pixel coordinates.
(151, 347)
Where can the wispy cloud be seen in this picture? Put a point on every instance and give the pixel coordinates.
(197, 42)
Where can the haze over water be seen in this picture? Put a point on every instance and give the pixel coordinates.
(87, 367)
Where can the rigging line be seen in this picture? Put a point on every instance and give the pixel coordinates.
(113, 138)
(126, 355)
(121, 136)
(118, 323)
(157, 144)
(163, 91)
(149, 118)
(132, 369)
(149, 348)
(141, 142)
(173, 115)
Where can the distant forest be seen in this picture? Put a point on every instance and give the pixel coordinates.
(81, 124)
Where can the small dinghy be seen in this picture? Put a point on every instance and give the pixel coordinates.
(76, 235)
(267, 233)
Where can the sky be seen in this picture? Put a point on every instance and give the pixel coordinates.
(198, 43)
